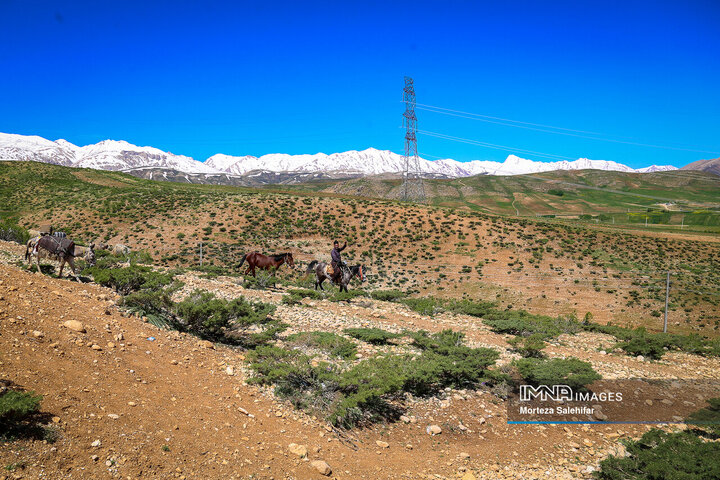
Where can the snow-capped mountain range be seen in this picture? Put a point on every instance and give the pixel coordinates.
(123, 156)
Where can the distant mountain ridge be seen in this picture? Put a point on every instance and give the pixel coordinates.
(124, 156)
(710, 166)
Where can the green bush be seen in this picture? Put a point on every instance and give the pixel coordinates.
(365, 389)
(529, 347)
(156, 305)
(557, 371)
(328, 342)
(425, 306)
(707, 418)
(17, 406)
(375, 336)
(446, 362)
(518, 322)
(345, 296)
(125, 280)
(659, 455)
(217, 319)
(12, 232)
(364, 392)
(388, 295)
(19, 417)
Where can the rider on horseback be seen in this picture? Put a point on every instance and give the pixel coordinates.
(337, 262)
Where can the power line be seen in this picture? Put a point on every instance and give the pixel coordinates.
(492, 145)
(503, 121)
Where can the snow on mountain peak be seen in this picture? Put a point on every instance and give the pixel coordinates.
(121, 155)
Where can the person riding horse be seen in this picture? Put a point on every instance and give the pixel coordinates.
(337, 262)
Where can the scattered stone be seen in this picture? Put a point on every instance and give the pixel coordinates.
(322, 467)
(38, 334)
(468, 476)
(74, 325)
(114, 416)
(96, 347)
(230, 370)
(299, 450)
(433, 430)
(96, 443)
(382, 444)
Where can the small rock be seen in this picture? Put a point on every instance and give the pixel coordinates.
(299, 450)
(433, 430)
(74, 325)
(96, 347)
(322, 467)
(382, 444)
(468, 476)
(230, 370)
(96, 443)
(114, 416)
(38, 334)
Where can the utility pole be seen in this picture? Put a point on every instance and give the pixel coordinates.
(412, 188)
(667, 296)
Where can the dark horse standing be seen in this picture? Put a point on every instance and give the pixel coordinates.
(348, 272)
(265, 262)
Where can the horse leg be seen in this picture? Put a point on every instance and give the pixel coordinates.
(37, 262)
(62, 264)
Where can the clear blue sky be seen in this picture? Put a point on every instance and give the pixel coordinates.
(250, 78)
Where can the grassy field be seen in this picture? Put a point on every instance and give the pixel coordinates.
(452, 248)
(666, 200)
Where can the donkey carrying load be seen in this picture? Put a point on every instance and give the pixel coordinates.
(52, 247)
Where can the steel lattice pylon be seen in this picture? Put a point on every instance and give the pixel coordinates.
(413, 189)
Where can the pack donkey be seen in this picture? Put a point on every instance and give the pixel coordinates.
(52, 247)
(347, 274)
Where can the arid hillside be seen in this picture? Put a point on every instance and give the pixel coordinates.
(541, 265)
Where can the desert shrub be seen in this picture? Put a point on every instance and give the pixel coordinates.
(12, 232)
(365, 389)
(388, 295)
(262, 281)
(557, 371)
(20, 417)
(446, 362)
(125, 280)
(345, 296)
(306, 293)
(236, 321)
(424, 306)
(529, 347)
(649, 346)
(328, 342)
(156, 305)
(17, 406)
(375, 336)
(658, 455)
(518, 322)
(707, 418)
(365, 392)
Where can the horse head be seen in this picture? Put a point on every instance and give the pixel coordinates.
(289, 259)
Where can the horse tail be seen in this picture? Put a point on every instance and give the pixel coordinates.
(242, 260)
(311, 267)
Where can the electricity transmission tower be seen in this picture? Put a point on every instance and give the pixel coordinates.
(412, 188)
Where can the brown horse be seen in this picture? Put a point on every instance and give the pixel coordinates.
(265, 262)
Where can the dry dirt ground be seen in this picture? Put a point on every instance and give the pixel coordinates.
(131, 401)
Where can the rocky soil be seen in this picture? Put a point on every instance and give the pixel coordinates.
(128, 400)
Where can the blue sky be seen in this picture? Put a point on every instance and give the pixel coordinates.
(250, 78)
